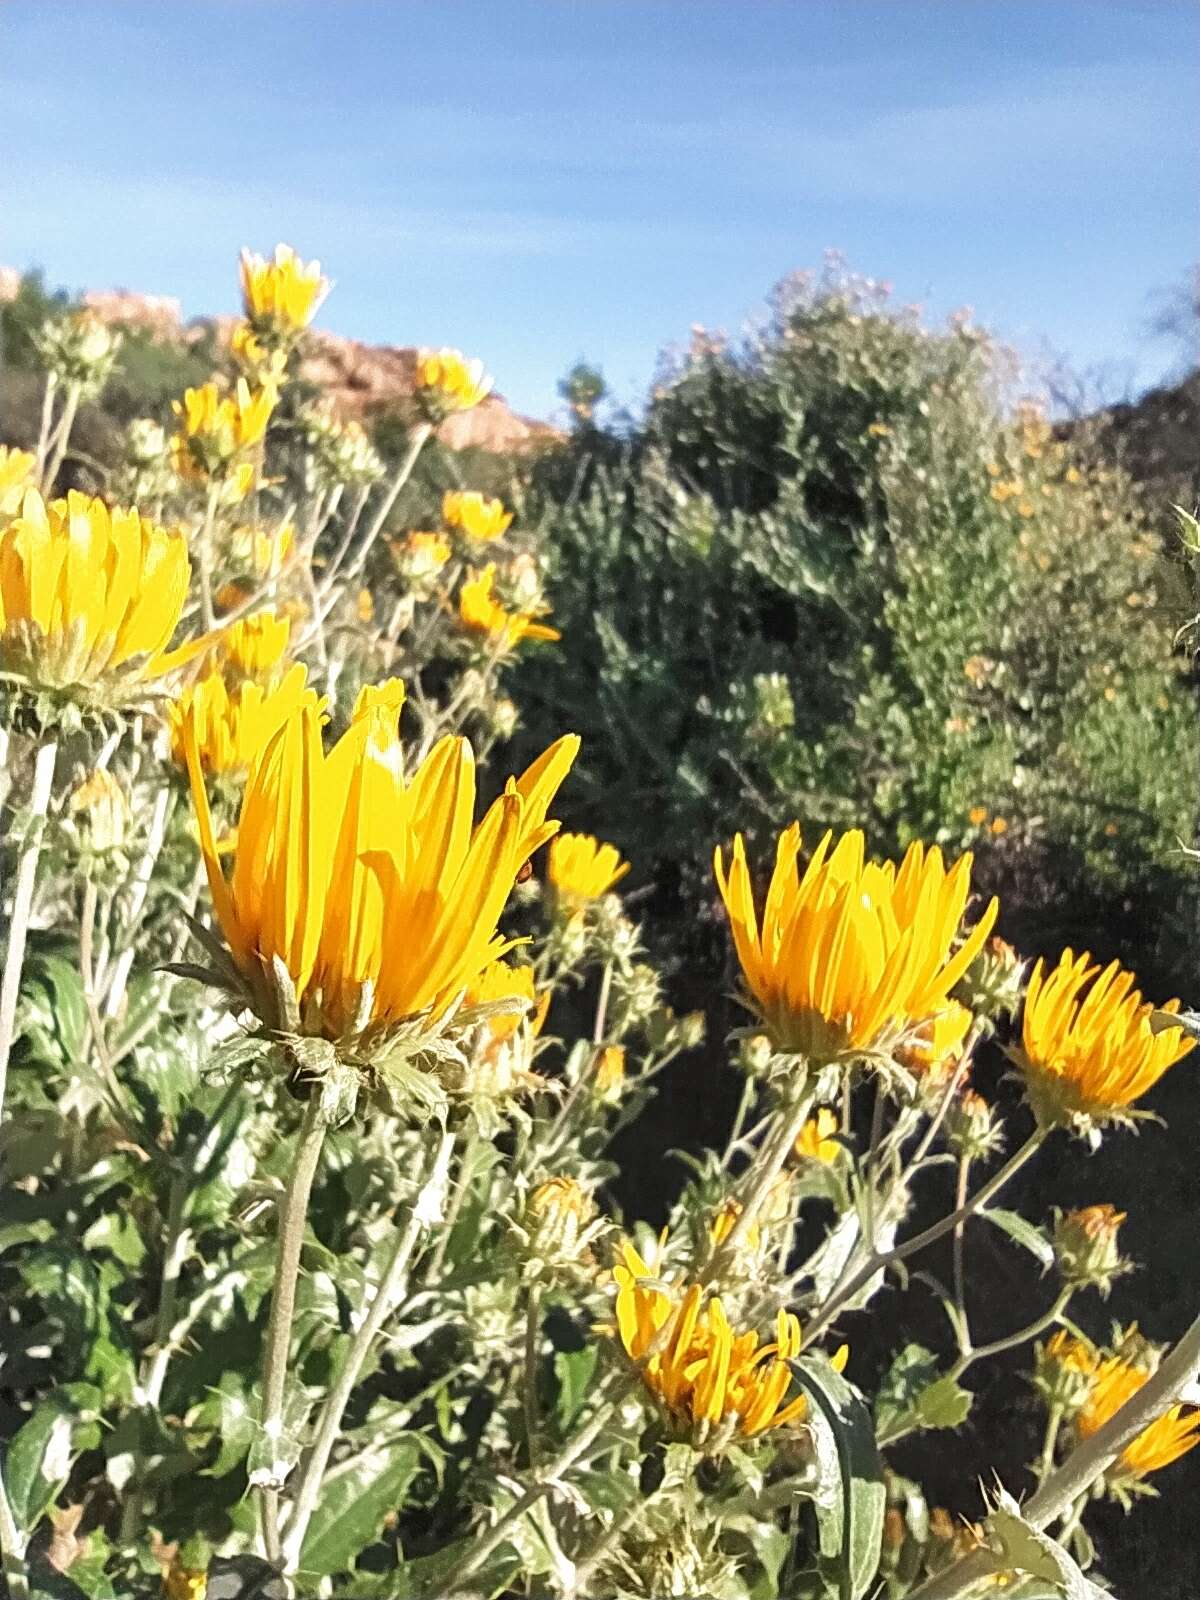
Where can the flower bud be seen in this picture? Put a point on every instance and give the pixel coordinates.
(640, 993)
(1063, 1371)
(145, 441)
(754, 1055)
(608, 1079)
(101, 814)
(504, 718)
(991, 985)
(692, 1029)
(560, 1224)
(971, 1129)
(571, 937)
(1085, 1246)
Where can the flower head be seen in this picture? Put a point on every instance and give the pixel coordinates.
(90, 597)
(1089, 1047)
(480, 518)
(262, 551)
(216, 430)
(849, 954)
(581, 869)
(1116, 1380)
(281, 296)
(447, 381)
(1086, 1251)
(936, 1046)
(609, 1077)
(367, 886)
(231, 728)
(16, 471)
(100, 813)
(254, 646)
(421, 556)
(714, 1381)
(816, 1140)
(499, 982)
(481, 612)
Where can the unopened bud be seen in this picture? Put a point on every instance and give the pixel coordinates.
(754, 1055)
(609, 1077)
(1086, 1251)
(101, 814)
(971, 1129)
(692, 1029)
(991, 985)
(504, 718)
(145, 441)
(560, 1224)
(640, 992)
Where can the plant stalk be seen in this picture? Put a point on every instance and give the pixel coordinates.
(22, 905)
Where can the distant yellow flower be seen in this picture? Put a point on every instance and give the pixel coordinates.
(16, 468)
(364, 606)
(254, 646)
(421, 555)
(1089, 1047)
(999, 826)
(610, 1072)
(281, 296)
(816, 1141)
(447, 381)
(499, 981)
(184, 1583)
(722, 1226)
(479, 610)
(232, 728)
(1173, 1434)
(257, 360)
(368, 885)
(90, 596)
(474, 514)
(263, 551)
(878, 430)
(977, 816)
(216, 429)
(718, 1383)
(580, 868)
(851, 953)
(937, 1044)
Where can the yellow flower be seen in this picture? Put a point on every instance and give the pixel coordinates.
(364, 606)
(447, 381)
(937, 1044)
(184, 1583)
(851, 953)
(255, 359)
(479, 610)
(999, 826)
(262, 551)
(1089, 1046)
(16, 466)
(581, 868)
(421, 555)
(561, 1198)
(281, 296)
(254, 646)
(101, 812)
(1177, 1431)
(815, 1141)
(722, 1226)
(231, 729)
(216, 429)
(977, 816)
(610, 1072)
(89, 595)
(499, 981)
(369, 886)
(710, 1378)
(475, 515)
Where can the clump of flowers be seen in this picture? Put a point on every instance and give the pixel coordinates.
(481, 612)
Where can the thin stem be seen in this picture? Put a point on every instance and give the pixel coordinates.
(43, 443)
(1053, 1424)
(416, 445)
(175, 1248)
(602, 1003)
(62, 434)
(562, 1463)
(960, 1249)
(457, 1201)
(292, 1216)
(1087, 1462)
(878, 1259)
(143, 873)
(18, 927)
(205, 563)
(739, 1121)
(533, 1339)
(762, 1175)
(339, 555)
(425, 1211)
(586, 1566)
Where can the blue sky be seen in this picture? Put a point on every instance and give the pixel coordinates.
(536, 182)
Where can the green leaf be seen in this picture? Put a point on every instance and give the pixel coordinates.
(1030, 1551)
(574, 1370)
(850, 1510)
(1022, 1233)
(944, 1404)
(353, 1507)
(39, 1456)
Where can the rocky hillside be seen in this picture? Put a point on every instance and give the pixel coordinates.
(361, 378)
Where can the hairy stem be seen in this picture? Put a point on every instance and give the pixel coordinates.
(292, 1216)
(22, 903)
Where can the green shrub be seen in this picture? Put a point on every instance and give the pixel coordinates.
(835, 573)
